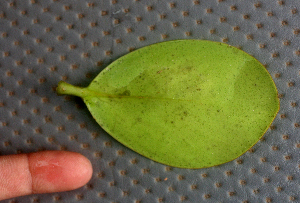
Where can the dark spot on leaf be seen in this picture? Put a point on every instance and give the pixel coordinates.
(125, 93)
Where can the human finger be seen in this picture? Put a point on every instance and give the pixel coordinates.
(42, 172)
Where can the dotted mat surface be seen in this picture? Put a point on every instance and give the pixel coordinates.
(45, 41)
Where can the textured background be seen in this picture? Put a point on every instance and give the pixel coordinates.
(45, 41)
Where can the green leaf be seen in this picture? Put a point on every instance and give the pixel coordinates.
(183, 103)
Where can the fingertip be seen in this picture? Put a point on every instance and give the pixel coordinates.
(56, 171)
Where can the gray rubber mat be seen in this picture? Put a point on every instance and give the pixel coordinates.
(45, 41)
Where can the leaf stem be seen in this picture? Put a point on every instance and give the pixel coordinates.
(66, 88)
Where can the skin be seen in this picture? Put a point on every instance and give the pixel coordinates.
(42, 172)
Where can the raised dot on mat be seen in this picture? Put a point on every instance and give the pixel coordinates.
(218, 184)
(130, 49)
(225, 39)
(209, 10)
(272, 34)
(142, 38)
(281, 3)
(161, 199)
(61, 128)
(270, 14)
(12, 4)
(162, 16)
(67, 7)
(147, 190)
(289, 63)
(134, 161)
(120, 152)
(59, 38)
(286, 42)
(181, 177)
(48, 29)
(284, 23)
(139, 19)
(185, 13)
(233, 8)
(79, 196)
(253, 170)
(207, 196)
(231, 193)
(152, 27)
(57, 198)
(99, 63)
(7, 143)
(106, 33)
(228, 173)
(104, 13)
(101, 175)
(80, 15)
(112, 183)
(250, 36)
(256, 191)
(277, 75)
(246, 16)
(164, 36)
(292, 198)
(92, 4)
(35, 21)
(46, 9)
(14, 23)
(263, 159)
(239, 161)
(183, 198)
(257, 5)
(171, 189)
(294, 11)
(126, 193)
(193, 187)
(175, 24)
(259, 25)
(172, 5)
(197, 2)
(58, 18)
(146, 170)
(116, 21)
(25, 32)
(94, 24)
(149, 8)
(251, 150)
(135, 182)
(236, 28)
(243, 182)
(126, 10)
